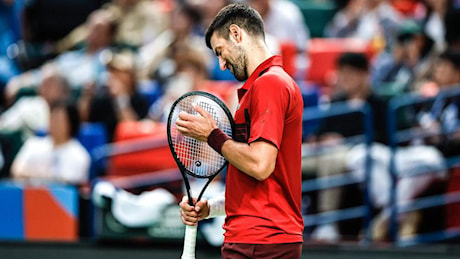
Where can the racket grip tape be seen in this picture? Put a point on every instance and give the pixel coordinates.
(189, 242)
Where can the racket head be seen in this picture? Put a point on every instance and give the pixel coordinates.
(194, 157)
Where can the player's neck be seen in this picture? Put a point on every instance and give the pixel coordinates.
(258, 53)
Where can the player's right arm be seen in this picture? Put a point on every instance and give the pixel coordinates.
(256, 159)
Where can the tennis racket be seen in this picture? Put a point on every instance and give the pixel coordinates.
(196, 158)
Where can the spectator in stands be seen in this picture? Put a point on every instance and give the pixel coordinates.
(432, 20)
(30, 114)
(346, 20)
(375, 21)
(444, 113)
(80, 67)
(440, 119)
(407, 64)
(58, 157)
(284, 21)
(341, 157)
(353, 88)
(138, 23)
(156, 60)
(120, 101)
(191, 74)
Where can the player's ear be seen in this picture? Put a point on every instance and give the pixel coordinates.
(235, 33)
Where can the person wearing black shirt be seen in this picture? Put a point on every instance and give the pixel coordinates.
(120, 100)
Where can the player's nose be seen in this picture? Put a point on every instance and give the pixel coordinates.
(222, 64)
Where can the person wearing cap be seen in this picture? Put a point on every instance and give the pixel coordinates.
(406, 64)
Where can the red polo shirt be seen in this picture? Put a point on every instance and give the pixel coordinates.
(267, 212)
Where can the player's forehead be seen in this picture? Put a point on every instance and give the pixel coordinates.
(217, 41)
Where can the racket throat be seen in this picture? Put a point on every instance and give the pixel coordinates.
(189, 194)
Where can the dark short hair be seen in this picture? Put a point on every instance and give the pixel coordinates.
(353, 59)
(72, 114)
(451, 56)
(240, 14)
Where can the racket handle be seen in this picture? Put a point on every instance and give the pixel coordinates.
(189, 242)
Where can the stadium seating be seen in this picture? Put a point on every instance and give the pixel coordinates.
(323, 54)
(139, 147)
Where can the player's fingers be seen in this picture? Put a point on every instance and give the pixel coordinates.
(201, 111)
(189, 217)
(181, 122)
(189, 214)
(199, 205)
(189, 223)
(188, 117)
(188, 220)
(183, 130)
(184, 205)
(184, 115)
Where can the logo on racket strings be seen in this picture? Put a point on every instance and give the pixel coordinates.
(197, 163)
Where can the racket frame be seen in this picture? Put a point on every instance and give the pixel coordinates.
(181, 166)
(191, 231)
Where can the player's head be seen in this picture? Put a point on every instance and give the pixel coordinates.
(233, 30)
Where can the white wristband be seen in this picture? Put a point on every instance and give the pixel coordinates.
(216, 207)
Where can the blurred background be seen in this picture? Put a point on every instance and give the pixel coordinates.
(86, 87)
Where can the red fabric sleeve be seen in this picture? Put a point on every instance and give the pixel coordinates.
(268, 109)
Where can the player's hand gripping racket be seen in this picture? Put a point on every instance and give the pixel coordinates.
(193, 157)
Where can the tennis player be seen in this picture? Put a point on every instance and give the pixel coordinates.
(262, 201)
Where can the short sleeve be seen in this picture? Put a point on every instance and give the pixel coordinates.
(269, 103)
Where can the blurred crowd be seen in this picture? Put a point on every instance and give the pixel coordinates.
(117, 61)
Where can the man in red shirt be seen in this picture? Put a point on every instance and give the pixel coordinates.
(263, 187)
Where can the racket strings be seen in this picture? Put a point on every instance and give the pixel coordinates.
(197, 156)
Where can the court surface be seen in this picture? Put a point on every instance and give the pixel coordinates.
(90, 249)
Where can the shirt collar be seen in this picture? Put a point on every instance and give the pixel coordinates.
(275, 60)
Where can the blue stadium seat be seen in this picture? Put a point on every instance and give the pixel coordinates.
(92, 135)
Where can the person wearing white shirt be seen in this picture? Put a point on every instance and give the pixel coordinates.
(58, 157)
